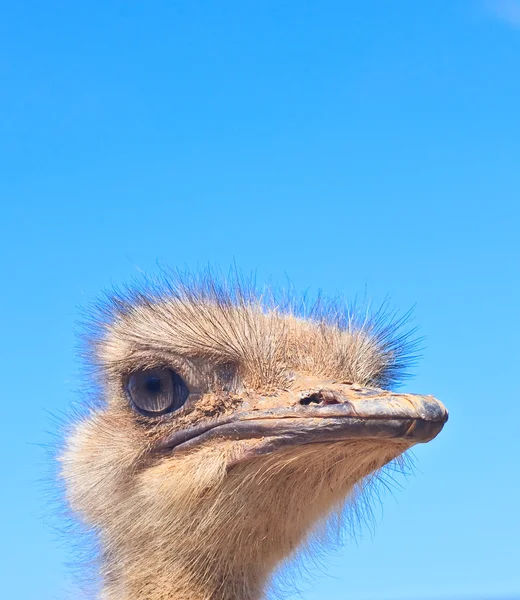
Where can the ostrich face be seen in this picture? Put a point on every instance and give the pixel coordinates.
(227, 431)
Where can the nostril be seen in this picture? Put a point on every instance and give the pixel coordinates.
(312, 399)
(322, 397)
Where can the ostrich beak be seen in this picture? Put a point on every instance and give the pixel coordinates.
(324, 414)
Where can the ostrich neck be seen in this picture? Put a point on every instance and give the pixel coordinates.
(226, 545)
(178, 581)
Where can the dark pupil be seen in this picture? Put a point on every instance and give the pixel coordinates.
(153, 385)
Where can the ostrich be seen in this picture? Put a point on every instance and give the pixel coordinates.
(229, 427)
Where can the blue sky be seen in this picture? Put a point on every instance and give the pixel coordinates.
(347, 145)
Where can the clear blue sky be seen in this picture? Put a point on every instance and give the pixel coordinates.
(349, 145)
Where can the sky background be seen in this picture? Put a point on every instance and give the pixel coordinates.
(346, 145)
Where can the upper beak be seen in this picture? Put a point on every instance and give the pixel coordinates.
(326, 414)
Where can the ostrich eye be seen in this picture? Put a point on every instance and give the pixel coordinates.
(156, 391)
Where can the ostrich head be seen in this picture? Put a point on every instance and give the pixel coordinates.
(228, 428)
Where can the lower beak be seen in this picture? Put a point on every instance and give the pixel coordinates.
(328, 415)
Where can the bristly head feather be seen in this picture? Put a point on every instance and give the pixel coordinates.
(265, 333)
